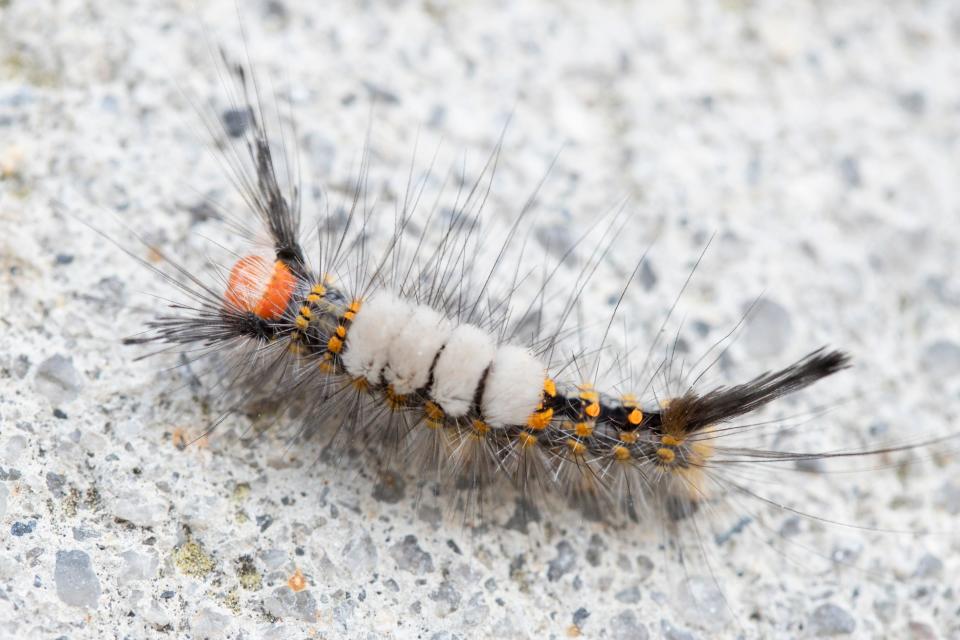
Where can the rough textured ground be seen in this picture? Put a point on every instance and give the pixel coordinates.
(818, 140)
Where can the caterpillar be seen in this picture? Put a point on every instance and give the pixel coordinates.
(285, 318)
(410, 363)
(410, 358)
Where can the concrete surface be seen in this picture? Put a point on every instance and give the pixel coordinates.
(819, 141)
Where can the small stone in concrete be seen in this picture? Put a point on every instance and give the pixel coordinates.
(77, 584)
(830, 620)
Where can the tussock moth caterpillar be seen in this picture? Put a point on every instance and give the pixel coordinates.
(328, 557)
(406, 354)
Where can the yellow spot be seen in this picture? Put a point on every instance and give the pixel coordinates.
(629, 437)
(540, 420)
(395, 400)
(326, 365)
(527, 439)
(306, 312)
(550, 387)
(593, 410)
(587, 394)
(480, 427)
(302, 323)
(313, 298)
(192, 561)
(670, 441)
(584, 429)
(666, 455)
(334, 344)
(350, 315)
(629, 400)
(360, 384)
(620, 452)
(635, 417)
(355, 305)
(577, 448)
(297, 581)
(318, 290)
(341, 331)
(433, 411)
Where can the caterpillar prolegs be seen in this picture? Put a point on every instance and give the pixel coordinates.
(435, 370)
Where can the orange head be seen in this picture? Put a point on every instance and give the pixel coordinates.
(260, 287)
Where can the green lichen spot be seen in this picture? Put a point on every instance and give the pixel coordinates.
(232, 601)
(241, 491)
(192, 561)
(247, 573)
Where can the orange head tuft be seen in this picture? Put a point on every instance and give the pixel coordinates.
(259, 287)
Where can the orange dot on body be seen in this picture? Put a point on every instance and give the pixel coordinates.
(260, 288)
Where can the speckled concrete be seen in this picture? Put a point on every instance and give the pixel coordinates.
(819, 141)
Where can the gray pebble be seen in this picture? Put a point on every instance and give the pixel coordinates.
(23, 528)
(704, 599)
(850, 171)
(631, 595)
(77, 584)
(133, 507)
(595, 550)
(644, 568)
(580, 616)
(671, 632)
(524, 513)
(57, 380)
(625, 626)
(343, 614)
(768, 331)
(647, 276)
(55, 483)
(137, 566)
(360, 553)
(941, 359)
(885, 608)
(846, 553)
(410, 557)
(913, 102)
(809, 465)
(83, 533)
(210, 624)
(390, 488)
(830, 620)
(948, 497)
(447, 598)
(476, 611)
(563, 563)
(21, 366)
(286, 603)
(235, 122)
(9, 474)
(556, 239)
(929, 566)
(273, 559)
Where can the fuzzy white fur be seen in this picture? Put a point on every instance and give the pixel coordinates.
(375, 328)
(412, 352)
(468, 352)
(513, 387)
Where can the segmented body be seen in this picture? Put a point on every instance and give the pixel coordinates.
(448, 376)
(483, 404)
